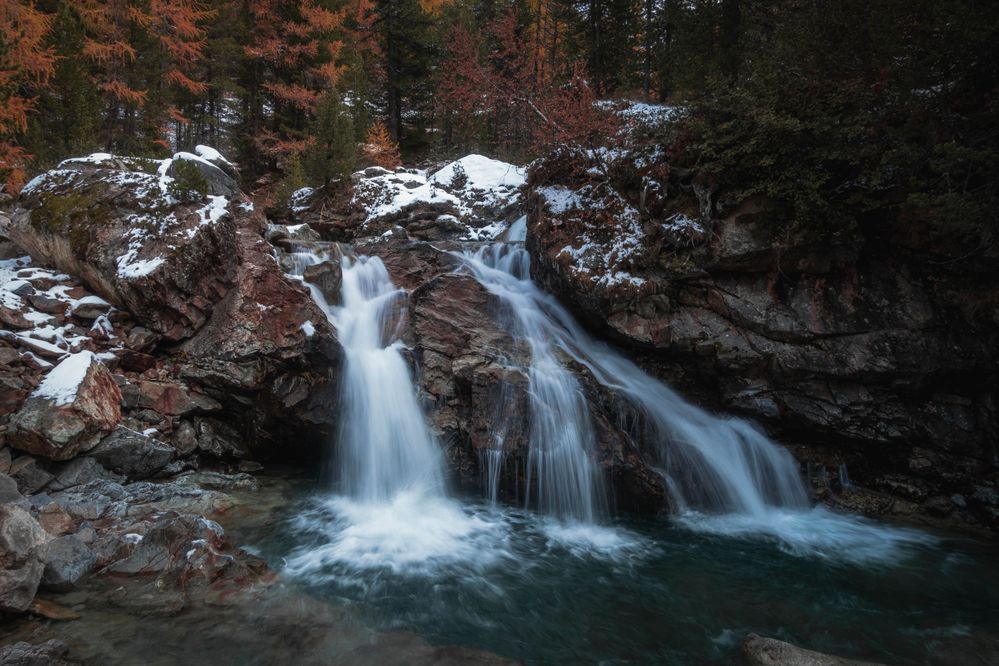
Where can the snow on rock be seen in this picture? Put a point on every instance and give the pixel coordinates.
(210, 154)
(604, 250)
(51, 333)
(61, 384)
(468, 199)
(141, 233)
(69, 412)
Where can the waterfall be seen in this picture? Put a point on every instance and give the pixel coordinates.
(385, 444)
(712, 464)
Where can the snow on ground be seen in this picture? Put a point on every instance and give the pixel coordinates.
(50, 334)
(472, 187)
(63, 381)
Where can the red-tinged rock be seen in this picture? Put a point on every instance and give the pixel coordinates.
(170, 398)
(263, 316)
(74, 406)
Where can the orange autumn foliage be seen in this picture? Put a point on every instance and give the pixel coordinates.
(380, 148)
(25, 64)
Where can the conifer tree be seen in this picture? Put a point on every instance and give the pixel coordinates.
(380, 148)
(26, 64)
(333, 151)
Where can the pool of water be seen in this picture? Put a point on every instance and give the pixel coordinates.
(684, 591)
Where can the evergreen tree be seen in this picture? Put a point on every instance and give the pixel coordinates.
(333, 151)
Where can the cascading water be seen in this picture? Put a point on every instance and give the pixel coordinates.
(500, 577)
(391, 509)
(720, 465)
(386, 446)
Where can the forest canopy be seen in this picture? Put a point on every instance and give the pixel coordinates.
(824, 105)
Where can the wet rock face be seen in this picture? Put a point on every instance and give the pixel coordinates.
(475, 375)
(832, 337)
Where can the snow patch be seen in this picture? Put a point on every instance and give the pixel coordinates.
(62, 383)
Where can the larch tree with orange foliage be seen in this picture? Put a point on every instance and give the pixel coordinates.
(112, 26)
(380, 148)
(180, 27)
(293, 60)
(25, 65)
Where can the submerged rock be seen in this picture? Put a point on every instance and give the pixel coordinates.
(761, 651)
(49, 653)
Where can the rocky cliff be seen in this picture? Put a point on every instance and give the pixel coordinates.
(869, 348)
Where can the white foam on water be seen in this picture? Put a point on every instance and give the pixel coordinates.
(818, 532)
(412, 533)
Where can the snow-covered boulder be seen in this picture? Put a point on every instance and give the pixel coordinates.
(74, 406)
(156, 237)
(473, 198)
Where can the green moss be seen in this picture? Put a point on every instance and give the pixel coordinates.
(188, 183)
(74, 214)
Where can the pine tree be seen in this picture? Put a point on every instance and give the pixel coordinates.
(115, 41)
(69, 109)
(26, 64)
(333, 151)
(291, 61)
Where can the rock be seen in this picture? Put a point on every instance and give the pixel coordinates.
(22, 549)
(218, 181)
(76, 403)
(132, 453)
(78, 472)
(90, 308)
(54, 520)
(8, 490)
(169, 279)
(170, 398)
(260, 325)
(142, 339)
(835, 336)
(50, 653)
(50, 610)
(29, 476)
(91, 500)
(67, 560)
(174, 541)
(218, 439)
(760, 651)
(327, 277)
(185, 438)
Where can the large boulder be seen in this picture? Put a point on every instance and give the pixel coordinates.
(154, 237)
(76, 403)
(22, 551)
(471, 199)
